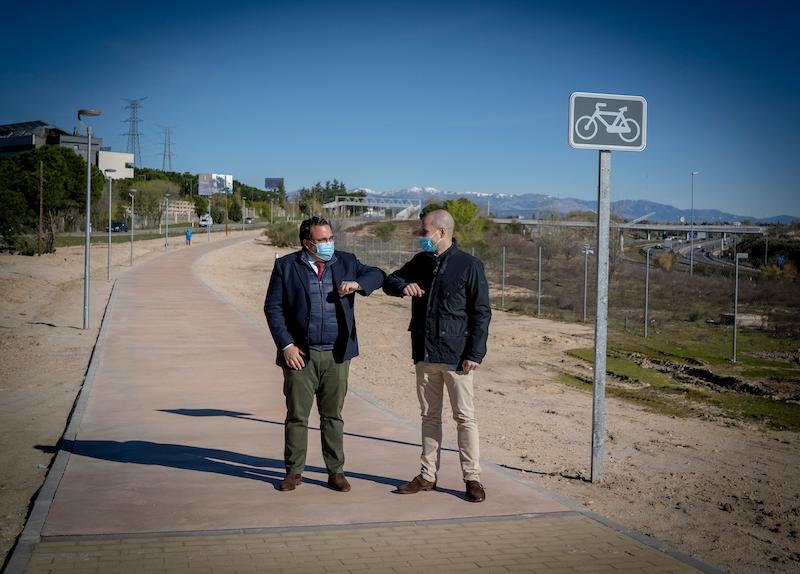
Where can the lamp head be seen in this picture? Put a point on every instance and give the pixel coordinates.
(695, 173)
(87, 112)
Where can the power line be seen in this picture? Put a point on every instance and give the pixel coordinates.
(133, 132)
(166, 158)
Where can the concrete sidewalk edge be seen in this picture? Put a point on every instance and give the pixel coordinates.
(22, 550)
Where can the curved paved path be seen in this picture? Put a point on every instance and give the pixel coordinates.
(175, 453)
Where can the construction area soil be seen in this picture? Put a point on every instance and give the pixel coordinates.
(721, 491)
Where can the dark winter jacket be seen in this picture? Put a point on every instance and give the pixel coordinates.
(288, 302)
(450, 322)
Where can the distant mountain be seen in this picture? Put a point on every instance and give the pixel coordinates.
(539, 205)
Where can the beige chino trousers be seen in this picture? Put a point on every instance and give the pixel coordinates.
(432, 378)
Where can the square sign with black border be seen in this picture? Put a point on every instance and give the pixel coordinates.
(607, 122)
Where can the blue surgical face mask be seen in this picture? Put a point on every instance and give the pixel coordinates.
(325, 250)
(427, 244)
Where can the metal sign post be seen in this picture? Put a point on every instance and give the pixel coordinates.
(739, 256)
(604, 122)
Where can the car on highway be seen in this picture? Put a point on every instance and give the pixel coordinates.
(248, 220)
(206, 221)
(118, 227)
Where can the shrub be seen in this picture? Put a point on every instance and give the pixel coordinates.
(283, 234)
(385, 230)
(667, 261)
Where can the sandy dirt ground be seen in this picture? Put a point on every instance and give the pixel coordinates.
(44, 354)
(720, 491)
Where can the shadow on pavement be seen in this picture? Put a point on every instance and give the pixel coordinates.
(209, 460)
(249, 417)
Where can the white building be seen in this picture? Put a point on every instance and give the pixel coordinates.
(120, 161)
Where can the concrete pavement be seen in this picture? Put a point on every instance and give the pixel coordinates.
(174, 453)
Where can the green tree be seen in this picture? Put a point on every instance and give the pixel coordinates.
(431, 206)
(63, 191)
(13, 214)
(469, 223)
(385, 230)
(311, 199)
(200, 205)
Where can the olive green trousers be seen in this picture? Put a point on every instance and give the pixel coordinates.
(325, 379)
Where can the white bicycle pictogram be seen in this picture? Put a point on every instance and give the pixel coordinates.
(586, 126)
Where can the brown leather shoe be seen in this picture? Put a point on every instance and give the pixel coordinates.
(290, 482)
(338, 482)
(475, 492)
(416, 485)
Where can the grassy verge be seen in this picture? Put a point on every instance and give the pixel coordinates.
(658, 392)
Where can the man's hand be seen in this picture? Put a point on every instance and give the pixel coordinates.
(413, 290)
(348, 287)
(293, 356)
(467, 366)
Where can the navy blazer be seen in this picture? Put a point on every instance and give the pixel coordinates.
(288, 302)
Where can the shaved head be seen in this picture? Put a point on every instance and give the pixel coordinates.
(441, 219)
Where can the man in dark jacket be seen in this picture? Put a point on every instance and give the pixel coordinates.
(450, 316)
(309, 309)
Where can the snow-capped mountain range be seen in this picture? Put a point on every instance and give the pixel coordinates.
(540, 205)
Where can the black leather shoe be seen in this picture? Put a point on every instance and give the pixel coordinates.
(290, 482)
(338, 482)
(416, 485)
(475, 492)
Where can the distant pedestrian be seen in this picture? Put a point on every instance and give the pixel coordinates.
(188, 237)
(450, 316)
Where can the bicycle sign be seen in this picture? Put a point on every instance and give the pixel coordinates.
(607, 122)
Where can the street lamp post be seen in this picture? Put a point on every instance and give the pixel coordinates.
(691, 239)
(108, 173)
(131, 191)
(88, 230)
(166, 220)
(244, 211)
(539, 289)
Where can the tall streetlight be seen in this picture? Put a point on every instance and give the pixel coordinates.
(244, 211)
(166, 219)
(87, 247)
(131, 191)
(691, 239)
(108, 173)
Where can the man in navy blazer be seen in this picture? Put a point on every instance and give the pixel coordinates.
(309, 308)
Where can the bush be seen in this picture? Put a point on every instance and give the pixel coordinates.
(667, 261)
(283, 234)
(694, 315)
(385, 230)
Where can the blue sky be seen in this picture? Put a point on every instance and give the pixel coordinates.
(467, 96)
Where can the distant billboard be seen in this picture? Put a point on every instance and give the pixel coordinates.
(273, 183)
(222, 183)
(211, 183)
(205, 184)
